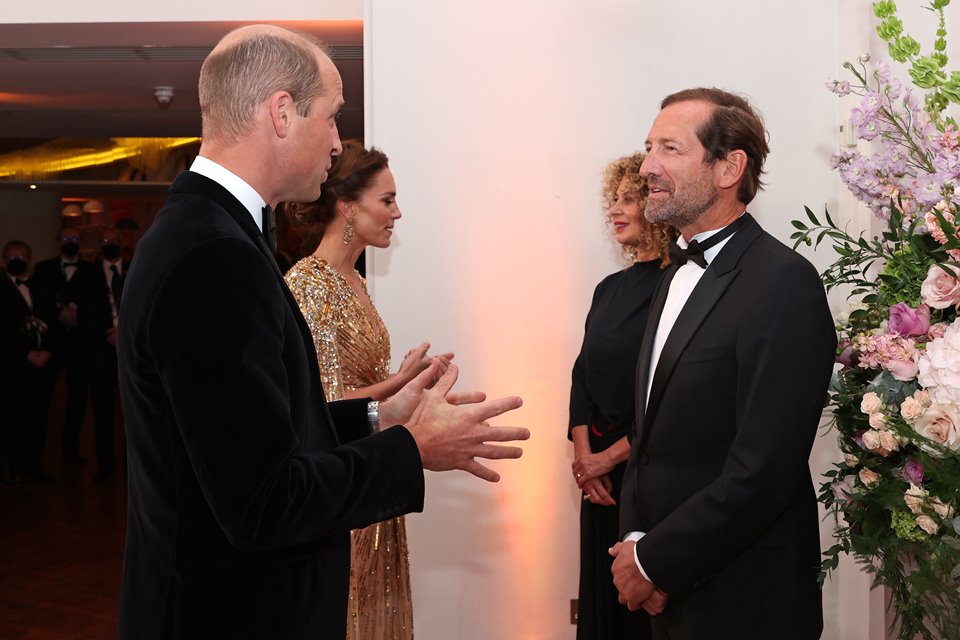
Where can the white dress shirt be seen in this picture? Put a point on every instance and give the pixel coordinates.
(683, 283)
(233, 183)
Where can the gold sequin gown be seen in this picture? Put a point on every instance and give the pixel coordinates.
(353, 350)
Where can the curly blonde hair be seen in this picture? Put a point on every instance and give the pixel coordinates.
(653, 236)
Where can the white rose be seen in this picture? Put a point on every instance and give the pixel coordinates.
(939, 423)
(914, 497)
(911, 409)
(869, 478)
(928, 524)
(851, 460)
(939, 367)
(878, 421)
(871, 403)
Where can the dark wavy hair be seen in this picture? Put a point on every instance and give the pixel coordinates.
(352, 173)
(734, 124)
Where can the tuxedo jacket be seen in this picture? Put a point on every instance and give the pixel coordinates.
(242, 485)
(48, 274)
(15, 340)
(718, 477)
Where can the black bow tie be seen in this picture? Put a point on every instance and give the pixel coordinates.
(19, 282)
(270, 228)
(695, 250)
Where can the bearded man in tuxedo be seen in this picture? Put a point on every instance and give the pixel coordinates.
(718, 512)
(243, 482)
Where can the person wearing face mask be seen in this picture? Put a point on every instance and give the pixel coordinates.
(601, 396)
(98, 319)
(26, 345)
(67, 278)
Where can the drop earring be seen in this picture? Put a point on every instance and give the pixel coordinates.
(348, 232)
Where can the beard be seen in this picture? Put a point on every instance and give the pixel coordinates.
(684, 209)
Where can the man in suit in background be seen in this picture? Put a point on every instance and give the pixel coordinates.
(99, 318)
(68, 278)
(27, 340)
(718, 510)
(243, 481)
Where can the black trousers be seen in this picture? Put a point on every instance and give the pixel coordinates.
(103, 394)
(73, 362)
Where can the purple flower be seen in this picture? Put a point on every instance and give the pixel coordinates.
(848, 357)
(913, 471)
(906, 322)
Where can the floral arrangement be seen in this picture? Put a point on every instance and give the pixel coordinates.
(896, 395)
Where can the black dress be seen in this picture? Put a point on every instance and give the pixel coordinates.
(602, 397)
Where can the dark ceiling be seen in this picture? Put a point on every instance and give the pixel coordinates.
(97, 81)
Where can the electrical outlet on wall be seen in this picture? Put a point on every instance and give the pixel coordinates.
(574, 610)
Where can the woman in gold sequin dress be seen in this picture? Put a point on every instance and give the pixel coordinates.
(358, 209)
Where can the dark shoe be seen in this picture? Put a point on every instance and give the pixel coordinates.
(75, 459)
(103, 476)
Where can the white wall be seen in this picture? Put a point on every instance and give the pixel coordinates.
(498, 117)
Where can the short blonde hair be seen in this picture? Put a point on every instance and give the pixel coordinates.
(236, 78)
(653, 236)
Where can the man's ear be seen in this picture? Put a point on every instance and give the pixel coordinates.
(730, 170)
(281, 109)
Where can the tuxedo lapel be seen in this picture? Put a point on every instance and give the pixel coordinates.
(646, 345)
(195, 183)
(722, 271)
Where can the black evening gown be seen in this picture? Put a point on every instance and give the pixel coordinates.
(602, 397)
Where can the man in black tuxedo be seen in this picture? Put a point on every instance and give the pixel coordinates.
(27, 340)
(718, 510)
(243, 481)
(98, 319)
(68, 279)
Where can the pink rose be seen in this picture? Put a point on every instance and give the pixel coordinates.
(941, 509)
(870, 403)
(905, 369)
(905, 321)
(940, 424)
(869, 478)
(928, 524)
(937, 330)
(940, 289)
(915, 497)
(889, 441)
(910, 409)
(871, 440)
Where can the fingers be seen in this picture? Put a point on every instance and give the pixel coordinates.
(615, 551)
(498, 452)
(599, 495)
(481, 471)
(446, 381)
(492, 408)
(466, 397)
(505, 434)
(656, 603)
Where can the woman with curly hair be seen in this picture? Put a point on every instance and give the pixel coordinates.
(358, 209)
(602, 397)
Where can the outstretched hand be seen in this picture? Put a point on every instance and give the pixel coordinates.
(451, 429)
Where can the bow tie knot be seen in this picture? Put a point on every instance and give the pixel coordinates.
(693, 253)
(695, 250)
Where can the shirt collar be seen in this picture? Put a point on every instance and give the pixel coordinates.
(712, 252)
(233, 183)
